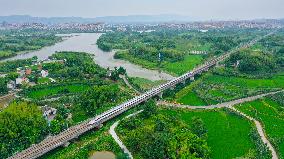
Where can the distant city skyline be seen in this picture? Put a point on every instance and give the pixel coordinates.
(197, 10)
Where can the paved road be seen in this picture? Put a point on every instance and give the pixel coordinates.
(116, 138)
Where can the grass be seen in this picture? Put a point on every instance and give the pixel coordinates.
(275, 82)
(143, 84)
(192, 97)
(174, 68)
(181, 67)
(212, 89)
(50, 91)
(43, 80)
(271, 115)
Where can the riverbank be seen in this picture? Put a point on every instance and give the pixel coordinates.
(19, 48)
(85, 42)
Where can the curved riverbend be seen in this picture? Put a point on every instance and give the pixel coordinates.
(86, 42)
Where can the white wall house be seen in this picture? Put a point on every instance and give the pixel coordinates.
(44, 73)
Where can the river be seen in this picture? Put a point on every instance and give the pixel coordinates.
(86, 42)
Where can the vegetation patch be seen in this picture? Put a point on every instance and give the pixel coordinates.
(142, 84)
(48, 91)
(184, 66)
(22, 124)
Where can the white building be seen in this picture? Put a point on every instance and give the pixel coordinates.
(44, 73)
(22, 80)
(11, 85)
(19, 81)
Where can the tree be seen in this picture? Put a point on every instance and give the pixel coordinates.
(121, 70)
(55, 127)
(149, 108)
(3, 86)
(130, 123)
(198, 127)
(22, 124)
(177, 141)
(122, 156)
(98, 97)
(253, 62)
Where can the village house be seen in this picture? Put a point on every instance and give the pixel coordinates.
(28, 71)
(21, 80)
(44, 73)
(11, 85)
(198, 52)
(49, 113)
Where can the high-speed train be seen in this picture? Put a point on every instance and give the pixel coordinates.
(139, 99)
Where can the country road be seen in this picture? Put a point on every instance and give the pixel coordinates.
(128, 84)
(260, 131)
(116, 138)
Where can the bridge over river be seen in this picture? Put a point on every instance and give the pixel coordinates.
(73, 132)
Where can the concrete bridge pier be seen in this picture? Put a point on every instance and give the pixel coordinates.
(192, 78)
(160, 95)
(218, 64)
(66, 144)
(99, 126)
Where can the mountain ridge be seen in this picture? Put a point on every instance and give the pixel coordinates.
(104, 19)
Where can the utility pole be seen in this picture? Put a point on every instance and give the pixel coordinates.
(160, 62)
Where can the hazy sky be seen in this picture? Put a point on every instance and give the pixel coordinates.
(200, 9)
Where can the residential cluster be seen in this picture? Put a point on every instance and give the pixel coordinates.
(105, 27)
(27, 74)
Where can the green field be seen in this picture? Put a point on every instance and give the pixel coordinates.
(181, 67)
(43, 80)
(212, 89)
(174, 68)
(271, 115)
(57, 90)
(193, 98)
(143, 84)
(228, 134)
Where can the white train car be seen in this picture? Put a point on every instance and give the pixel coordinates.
(92, 122)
